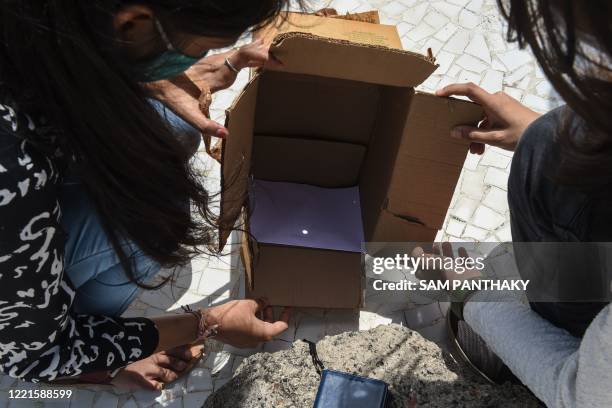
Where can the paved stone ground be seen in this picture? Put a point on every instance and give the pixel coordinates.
(467, 37)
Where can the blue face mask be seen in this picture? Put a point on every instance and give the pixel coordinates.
(169, 64)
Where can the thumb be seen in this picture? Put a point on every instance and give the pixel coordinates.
(254, 58)
(268, 330)
(271, 330)
(150, 384)
(475, 134)
(205, 125)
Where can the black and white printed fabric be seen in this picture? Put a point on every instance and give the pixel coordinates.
(41, 338)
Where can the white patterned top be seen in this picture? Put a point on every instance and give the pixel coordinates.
(41, 338)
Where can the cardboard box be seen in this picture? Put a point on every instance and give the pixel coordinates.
(339, 115)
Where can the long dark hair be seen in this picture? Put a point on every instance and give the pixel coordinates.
(572, 41)
(60, 58)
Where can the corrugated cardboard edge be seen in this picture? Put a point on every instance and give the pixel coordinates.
(279, 39)
(372, 17)
(247, 254)
(365, 26)
(359, 62)
(227, 221)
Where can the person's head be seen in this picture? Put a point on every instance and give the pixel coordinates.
(572, 41)
(159, 39)
(79, 64)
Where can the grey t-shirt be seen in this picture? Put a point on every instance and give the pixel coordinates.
(543, 210)
(541, 344)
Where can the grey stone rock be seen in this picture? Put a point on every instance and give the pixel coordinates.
(420, 374)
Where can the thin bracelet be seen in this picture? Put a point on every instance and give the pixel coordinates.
(204, 330)
(231, 66)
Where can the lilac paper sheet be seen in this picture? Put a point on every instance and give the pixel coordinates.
(306, 216)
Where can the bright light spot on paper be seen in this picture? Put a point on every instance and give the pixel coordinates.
(305, 232)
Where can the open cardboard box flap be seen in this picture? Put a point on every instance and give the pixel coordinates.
(420, 170)
(302, 53)
(432, 159)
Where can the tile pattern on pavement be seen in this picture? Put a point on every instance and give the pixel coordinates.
(468, 40)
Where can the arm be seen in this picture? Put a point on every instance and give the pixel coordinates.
(237, 321)
(41, 339)
(560, 369)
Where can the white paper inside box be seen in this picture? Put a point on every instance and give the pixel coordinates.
(334, 150)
